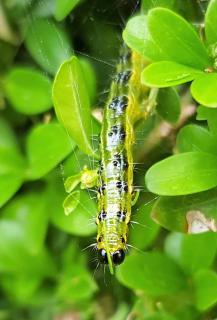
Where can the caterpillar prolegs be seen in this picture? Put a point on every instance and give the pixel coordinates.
(126, 104)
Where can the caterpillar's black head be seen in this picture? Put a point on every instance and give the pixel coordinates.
(117, 257)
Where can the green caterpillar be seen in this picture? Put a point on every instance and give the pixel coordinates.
(125, 106)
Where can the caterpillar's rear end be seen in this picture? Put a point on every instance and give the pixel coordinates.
(115, 183)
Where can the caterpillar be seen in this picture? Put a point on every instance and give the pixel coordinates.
(124, 107)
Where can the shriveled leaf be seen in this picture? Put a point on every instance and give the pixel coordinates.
(71, 202)
(71, 182)
(177, 38)
(28, 90)
(72, 104)
(167, 74)
(204, 89)
(182, 174)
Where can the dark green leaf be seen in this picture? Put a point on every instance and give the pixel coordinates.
(48, 44)
(63, 8)
(168, 105)
(28, 90)
(204, 89)
(177, 38)
(211, 22)
(195, 212)
(144, 230)
(183, 173)
(190, 251)
(72, 104)
(205, 283)
(196, 138)
(47, 145)
(167, 74)
(150, 4)
(156, 274)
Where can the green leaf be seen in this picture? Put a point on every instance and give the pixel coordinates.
(77, 223)
(209, 114)
(210, 22)
(28, 90)
(48, 44)
(47, 145)
(15, 258)
(71, 202)
(150, 4)
(71, 182)
(195, 212)
(90, 77)
(156, 274)
(183, 173)
(137, 37)
(167, 74)
(177, 38)
(205, 283)
(168, 105)
(144, 230)
(196, 138)
(12, 168)
(63, 8)
(204, 89)
(7, 136)
(72, 104)
(76, 284)
(190, 251)
(20, 288)
(32, 216)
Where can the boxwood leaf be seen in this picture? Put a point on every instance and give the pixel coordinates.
(177, 38)
(12, 170)
(28, 90)
(167, 74)
(210, 22)
(72, 104)
(190, 251)
(205, 284)
(168, 105)
(151, 279)
(173, 213)
(209, 114)
(32, 215)
(137, 37)
(78, 222)
(183, 173)
(150, 4)
(63, 8)
(47, 145)
(48, 44)
(71, 202)
(196, 138)
(204, 89)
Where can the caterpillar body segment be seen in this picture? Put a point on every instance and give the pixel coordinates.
(126, 105)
